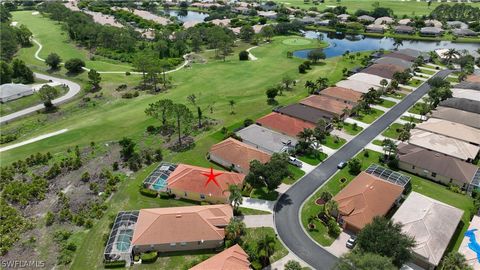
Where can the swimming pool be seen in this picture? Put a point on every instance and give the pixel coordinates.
(124, 240)
(160, 183)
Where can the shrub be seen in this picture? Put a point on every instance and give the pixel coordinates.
(149, 257)
(127, 73)
(151, 129)
(243, 56)
(114, 264)
(115, 166)
(302, 68)
(49, 218)
(74, 65)
(333, 228)
(248, 122)
(148, 192)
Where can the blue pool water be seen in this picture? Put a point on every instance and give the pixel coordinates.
(340, 43)
(124, 239)
(160, 183)
(473, 244)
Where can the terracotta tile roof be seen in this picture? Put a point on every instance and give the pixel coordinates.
(181, 224)
(473, 78)
(190, 179)
(326, 103)
(342, 93)
(233, 258)
(383, 70)
(284, 124)
(366, 197)
(238, 153)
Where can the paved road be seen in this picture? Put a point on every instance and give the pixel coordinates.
(287, 208)
(73, 89)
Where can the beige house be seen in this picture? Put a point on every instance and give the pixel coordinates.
(181, 228)
(451, 129)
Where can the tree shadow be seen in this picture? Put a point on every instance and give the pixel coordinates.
(272, 102)
(284, 200)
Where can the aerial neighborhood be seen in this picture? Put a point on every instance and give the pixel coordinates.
(231, 135)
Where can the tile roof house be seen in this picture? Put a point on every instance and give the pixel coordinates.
(232, 258)
(366, 197)
(327, 104)
(462, 104)
(237, 155)
(451, 129)
(375, 28)
(12, 91)
(306, 113)
(442, 144)
(284, 124)
(383, 70)
(431, 31)
(466, 94)
(181, 228)
(458, 116)
(394, 61)
(436, 166)
(343, 17)
(368, 78)
(266, 140)
(384, 20)
(343, 94)
(466, 248)
(434, 23)
(464, 33)
(431, 223)
(457, 24)
(358, 86)
(404, 29)
(365, 18)
(399, 55)
(190, 182)
(471, 85)
(404, 21)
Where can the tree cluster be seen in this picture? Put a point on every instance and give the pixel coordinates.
(17, 72)
(270, 174)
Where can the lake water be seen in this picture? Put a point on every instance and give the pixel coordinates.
(340, 43)
(187, 16)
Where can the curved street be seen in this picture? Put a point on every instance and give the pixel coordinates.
(73, 89)
(288, 207)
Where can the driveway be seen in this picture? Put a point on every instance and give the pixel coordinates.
(256, 221)
(288, 206)
(73, 89)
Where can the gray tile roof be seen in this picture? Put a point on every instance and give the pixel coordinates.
(13, 89)
(265, 139)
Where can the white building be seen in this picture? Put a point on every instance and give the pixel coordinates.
(12, 91)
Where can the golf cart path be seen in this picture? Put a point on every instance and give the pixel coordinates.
(32, 140)
(73, 89)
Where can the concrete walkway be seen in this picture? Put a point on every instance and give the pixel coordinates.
(257, 221)
(342, 134)
(283, 188)
(258, 204)
(392, 99)
(374, 147)
(73, 89)
(381, 108)
(36, 139)
(307, 167)
(280, 264)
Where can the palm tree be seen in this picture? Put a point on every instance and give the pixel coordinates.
(234, 230)
(306, 135)
(331, 207)
(232, 105)
(321, 83)
(389, 147)
(384, 84)
(265, 249)
(450, 54)
(454, 260)
(235, 198)
(397, 43)
(310, 86)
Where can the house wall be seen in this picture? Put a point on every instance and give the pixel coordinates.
(421, 172)
(196, 196)
(196, 245)
(227, 164)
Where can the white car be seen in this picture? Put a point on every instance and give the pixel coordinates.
(295, 162)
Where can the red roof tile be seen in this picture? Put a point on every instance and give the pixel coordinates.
(284, 124)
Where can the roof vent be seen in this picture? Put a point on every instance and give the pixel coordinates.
(178, 216)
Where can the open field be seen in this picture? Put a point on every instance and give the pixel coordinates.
(400, 8)
(54, 39)
(244, 82)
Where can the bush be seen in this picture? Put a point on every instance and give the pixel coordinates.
(151, 129)
(149, 257)
(127, 73)
(114, 264)
(248, 122)
(243, 56)
(302, 68)
(74, 65)
(148, 192)
(333, 228)
(49, 218)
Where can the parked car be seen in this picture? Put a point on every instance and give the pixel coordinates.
(351, 242)
(295, 162)
(342, 165)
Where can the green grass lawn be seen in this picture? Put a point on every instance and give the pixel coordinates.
(377, 142)
(411, 119)
(333, 142)
(368, 117)
(415, 108)
(453, 80)
(243, 81)
(396, 95)
(25, 102)
(386, 103)
(297, 173)
(54, 39)
(393, 131)
(351, 129)
(414, 82)
(427, 71)
(400, 8)
(313, 160)
(249, 211)
(334, 185)
(264, 194)
(253, 236)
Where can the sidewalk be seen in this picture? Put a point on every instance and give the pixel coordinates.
(359, 123)
(280, 264)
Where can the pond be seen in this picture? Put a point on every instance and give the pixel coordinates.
(340, 43)
(186, 15)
